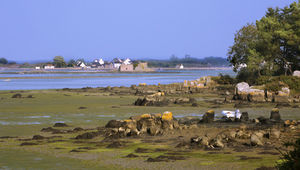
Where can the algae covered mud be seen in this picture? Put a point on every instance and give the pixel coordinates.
(20, 80)
(125, 128)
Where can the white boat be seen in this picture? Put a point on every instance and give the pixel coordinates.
(7, 80)
(231, 114)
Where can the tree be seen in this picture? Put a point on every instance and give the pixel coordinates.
(72, 63)
(3, 61)
(271, 46)
(59, 61)
(244, 40)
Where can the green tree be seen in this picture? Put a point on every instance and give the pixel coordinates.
(3, 61)
(72, 63)
(272, 45)
(59, 61)
(244, 40)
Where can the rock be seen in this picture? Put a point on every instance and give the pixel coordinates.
(115, 144)
(167, 116)
(241, 90)
(263, 120)
(296, 73)
(38, 137)
(244, 117)
(18, 95)
(255, 141)
(275, 133)
(60, 125)
(218, 143)
(87, 135)
(294, 122)
(282, 96)
(232, 134)
(153, 130)
(189, 120)
(209, 116)
(114, 124)
(287, 123)
(275, 114)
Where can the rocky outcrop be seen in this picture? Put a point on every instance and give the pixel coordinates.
(252, 94)
(152, 124)
(208, 117)
(275, 115)
(296, 73)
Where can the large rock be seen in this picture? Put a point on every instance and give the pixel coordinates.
(241, 90)
(282, 96)
(255, 140)
(244, 117)
(209, 116)
(244, 92)
(296, 73)
(167, 116)
(275, 114)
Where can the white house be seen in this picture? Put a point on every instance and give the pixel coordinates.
(101, 62)
(49, 66)
(127, 61)
(37, 68)
(117, 62)
(181, 66)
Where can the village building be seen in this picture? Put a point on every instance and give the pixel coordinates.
(81, 64)
(126, 67)
(127, 61)
(142, 67)
(108, 66)
(180, 66)
(117, 63)
(49, 66)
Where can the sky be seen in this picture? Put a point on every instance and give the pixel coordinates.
(38, 30)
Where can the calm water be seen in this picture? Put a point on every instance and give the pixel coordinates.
(79, 80)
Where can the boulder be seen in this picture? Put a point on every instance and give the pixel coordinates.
(241, 90)
(275, 133)
(275, 114)
(296, 73)
(167, 116)
(282, 96)
(256, 95)
(244, 117)
(255, 140)
(114, 124)
(60, 125)
(209, 116)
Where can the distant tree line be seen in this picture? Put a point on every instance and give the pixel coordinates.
(189, 61)
(4, 61)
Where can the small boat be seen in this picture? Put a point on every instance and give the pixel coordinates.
(232, 114)
(7, 80)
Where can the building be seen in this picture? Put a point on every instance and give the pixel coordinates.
(142, 67)
(180, 66)
(117, 63)
(49, 66)
(108, 66)
(81, 64)
(126, 67)
(127, 61)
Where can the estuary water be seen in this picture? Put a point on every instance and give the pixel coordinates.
(35, 81)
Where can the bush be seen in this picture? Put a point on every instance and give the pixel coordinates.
(290, 160)
(275, 83)
(224, 79)
(245, 75)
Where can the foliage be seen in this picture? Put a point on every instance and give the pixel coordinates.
(59, 62)
(225, 79)
(72, 63)
(271, 45)
(275, 83)
(244, 75)
(290, 159)
(3, 61)
(189, 61)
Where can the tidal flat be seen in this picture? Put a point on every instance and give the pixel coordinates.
(22, 118)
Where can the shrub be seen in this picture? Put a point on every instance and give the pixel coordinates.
(245, 75)
(225, 79)
(291, 159)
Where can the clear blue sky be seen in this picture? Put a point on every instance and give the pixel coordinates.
(41, 29)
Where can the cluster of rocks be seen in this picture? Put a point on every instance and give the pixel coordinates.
(253, 94)
(152, 124)
(157, 99)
